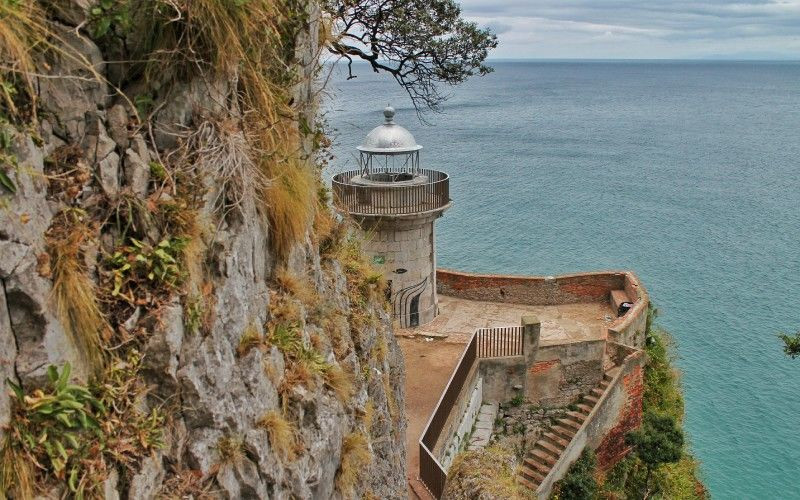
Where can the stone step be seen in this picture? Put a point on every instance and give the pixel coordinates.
(556, 440)
(610, 374)
(531, 475)
(576, 416)
(524, 482)
(584, 408)
(549, 448)
(564, 432)
(570, 424)
(543, 457)
(533, 464)
(590, 399)
(597, 392)
(488, 409)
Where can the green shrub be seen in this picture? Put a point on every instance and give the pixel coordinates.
(579, 483)
(55, 430)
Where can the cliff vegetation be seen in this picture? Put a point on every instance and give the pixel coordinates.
(181, 315)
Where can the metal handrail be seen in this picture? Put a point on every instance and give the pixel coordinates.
(389, 198)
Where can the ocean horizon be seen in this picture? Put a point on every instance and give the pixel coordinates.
(684, 171)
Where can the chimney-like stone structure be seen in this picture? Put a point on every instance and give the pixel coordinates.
(531, 331)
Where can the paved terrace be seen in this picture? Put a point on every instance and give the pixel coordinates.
(459, 318)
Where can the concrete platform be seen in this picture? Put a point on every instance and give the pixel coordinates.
(459, 318)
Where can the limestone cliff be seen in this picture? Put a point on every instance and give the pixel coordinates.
(142, 241)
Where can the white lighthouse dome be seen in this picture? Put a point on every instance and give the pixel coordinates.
(389, 137)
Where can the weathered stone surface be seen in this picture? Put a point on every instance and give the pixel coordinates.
(72, 12)
(117, 117)
(69, 99)
(137, 172)
(146, 482)
(160, 364)
(40, 337)
(183, 103)
(8, 353)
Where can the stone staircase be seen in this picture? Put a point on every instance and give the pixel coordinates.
(547, 450)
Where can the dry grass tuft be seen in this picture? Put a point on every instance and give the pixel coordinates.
(289, 207)
(297, 374)
(250, 339)
(219, 147)
(380, 349)
(299, 287)
(369, 415)
(284, 310)
(21, 35)
(487, 473)
(356, 456)
(74, 292)
(230, 449)
(16, 473)
(339, 381)
(186, 483)
(282, 434)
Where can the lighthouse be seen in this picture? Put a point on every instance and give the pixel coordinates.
(395, 202)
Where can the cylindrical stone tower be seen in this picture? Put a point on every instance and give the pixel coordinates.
(396, 203)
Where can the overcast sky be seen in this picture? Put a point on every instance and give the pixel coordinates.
(768, 29)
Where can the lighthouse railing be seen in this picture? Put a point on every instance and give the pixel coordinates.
(389, 198)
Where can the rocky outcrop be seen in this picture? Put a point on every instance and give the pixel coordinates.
(211, 389)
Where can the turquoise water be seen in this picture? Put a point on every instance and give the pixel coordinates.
(686, 172)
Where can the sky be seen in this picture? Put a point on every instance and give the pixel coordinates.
(637, 29)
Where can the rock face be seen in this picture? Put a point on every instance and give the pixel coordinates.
(216, 391)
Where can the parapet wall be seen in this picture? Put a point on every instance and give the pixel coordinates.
(533, 290)
(554, 290)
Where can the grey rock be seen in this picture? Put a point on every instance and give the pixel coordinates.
(117, 118)
(160, 363)
(146, 482)
(40, 337)
(69, 99)
(137, 172)
(110, 486)
(73, 12)
(8, 353)
(108, 173)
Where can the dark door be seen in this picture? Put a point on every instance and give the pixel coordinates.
(414, 311)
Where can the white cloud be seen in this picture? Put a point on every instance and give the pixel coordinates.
(639, 29)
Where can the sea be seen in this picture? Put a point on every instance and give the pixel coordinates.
(686, 172)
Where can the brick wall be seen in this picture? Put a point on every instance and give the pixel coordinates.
(613, 447)
(533, 290)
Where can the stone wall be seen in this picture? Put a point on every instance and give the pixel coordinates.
(613, 447)
(630, 328)
(533, 290)
(403, 248)
(457, 441)
(503, 378)
(562, 372)
(617, 412)
(454, 418)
